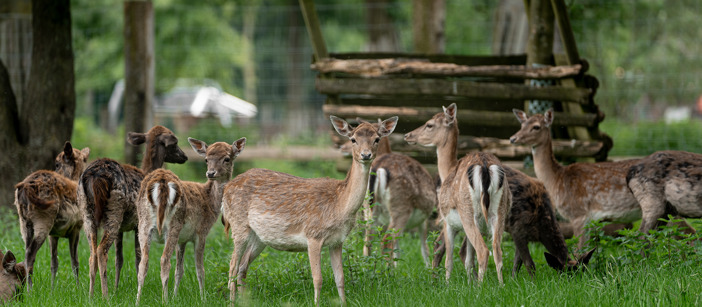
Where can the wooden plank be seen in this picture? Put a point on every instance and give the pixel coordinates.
(369, 68)
(519, 59)
(309, 13)
(420, 115)
(450, 88)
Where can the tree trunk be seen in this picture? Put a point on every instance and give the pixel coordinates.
(382, 34)
(297, 119)
(36, 131)
(428, 19)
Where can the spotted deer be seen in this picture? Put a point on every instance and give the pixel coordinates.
(183, 211)
(666, 182)
(107, 195)
(12, 277)
(474, 195)
(404, 195)
(47, 208)
(581, 192)
(288, 213)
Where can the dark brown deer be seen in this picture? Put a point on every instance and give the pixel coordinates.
(12, 277)
(107, 193)
(581, 192)
(183, 211)
(667, 182)
(474, 193)
(268, 208)
(47, 208)
(404, 195)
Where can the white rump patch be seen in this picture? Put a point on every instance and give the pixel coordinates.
(171, 193)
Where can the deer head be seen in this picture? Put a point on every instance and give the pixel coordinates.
(161, 146)
(364, 137)
(218, 156)
(535, 129)
(12, 276)
(71, 162)
(435, 132)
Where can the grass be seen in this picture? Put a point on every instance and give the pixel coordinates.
(618, 275)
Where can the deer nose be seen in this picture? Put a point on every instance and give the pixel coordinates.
(211, 174)
(408, 135)
(513, 139)
(366, 155)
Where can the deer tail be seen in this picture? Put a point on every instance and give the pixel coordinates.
(164, 194)
(479, 179)
(97, 191)
(28, 198)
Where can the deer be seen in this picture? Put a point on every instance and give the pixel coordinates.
(47, 208)
(288, 213)
(183, 211)
(404, 195)
(666, 182)
(474, 194)
(12, 277)
(532, 218)
(107, 195)
(581, 192)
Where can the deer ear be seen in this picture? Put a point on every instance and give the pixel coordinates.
(341, 126)
(85, 152)
(387, 126)
(450, 113)
(200, 147)
(136, 138)
(585, 259)
(68, 150)
(521, 116)
(21, 271)
(8, 261)
(548, 117)
(238, 146)
(554, 262)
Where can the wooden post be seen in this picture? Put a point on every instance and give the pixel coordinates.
(309, 13)
(138, 71)
(428, 18)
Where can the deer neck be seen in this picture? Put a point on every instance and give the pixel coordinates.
(446, 154)
(383, 147)
(150, 162)
(546, 167)
(353, 188)
(215, 188)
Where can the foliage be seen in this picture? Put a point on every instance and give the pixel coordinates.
(644, 138)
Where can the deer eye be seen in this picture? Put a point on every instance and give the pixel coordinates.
(536, 128)
(429, 126)
(57, 165)
(227, 160)
(205, 160)
(377, 140)
(353, 141)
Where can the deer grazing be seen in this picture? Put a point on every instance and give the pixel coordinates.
(183, 211)
(404, 194)
(531, 219)
(666, 182)
(581, 192)
(12, 277)
(474, 193)
(47, 208)
(107, 195)
(288, 213)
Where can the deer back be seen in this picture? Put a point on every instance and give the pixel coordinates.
(407, 180)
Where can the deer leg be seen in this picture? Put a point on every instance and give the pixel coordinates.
(53, 247)
(338, 268)
(108, 238)
(463, 251)
(367, 217)
(91, 233)
(73, 240)
(476, 241)
(314, 251)
(397, 226)
(137, 249)
(180, 253)
(145, 230)
(119, 258)
(31, 255)
(200, 264)
(497, 231)
(239, 248)
(448, 241)
(168, 249)
(468, 258)
(423, 231)
(652, 208)
(254, 248)
(439, 249)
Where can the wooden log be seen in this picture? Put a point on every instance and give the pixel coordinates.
(519, 59)
(420, 115)
(450, 88)
(370, 68)
(291, 153)
(309, 13)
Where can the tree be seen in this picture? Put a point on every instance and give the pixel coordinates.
(35, 132)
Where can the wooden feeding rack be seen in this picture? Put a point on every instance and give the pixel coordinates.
(485, 89)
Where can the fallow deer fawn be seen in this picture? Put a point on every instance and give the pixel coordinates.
(581, 192)
(404, 194)
(107, 194)
(183, 211)
(12, 276)
(268, 208)
(667, 182)
(474, 195)
(47, 207)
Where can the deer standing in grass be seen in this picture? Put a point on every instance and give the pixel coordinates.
(183, 211)
(12, 276)
(107, 195)
(666, 182)
(288, 213)
(404, 194)
(581, 192)
(47, 207)
(474, 193)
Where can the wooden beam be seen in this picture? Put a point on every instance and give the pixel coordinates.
(450, 88)
(309, 13)
(420, 115)
(566, 31)
(470, 60)
(370, 68)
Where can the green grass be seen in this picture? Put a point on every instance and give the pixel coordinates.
(618, 275)
(644, 138)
